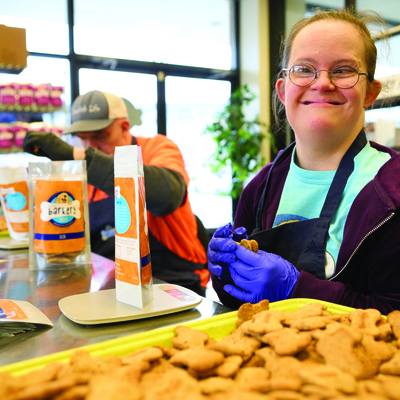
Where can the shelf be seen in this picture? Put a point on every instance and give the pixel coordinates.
(11, 150)
(29, 109)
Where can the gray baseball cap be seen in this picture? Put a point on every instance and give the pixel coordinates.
(97, 110)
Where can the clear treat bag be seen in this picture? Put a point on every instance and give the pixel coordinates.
(59, 234)
(14, 197)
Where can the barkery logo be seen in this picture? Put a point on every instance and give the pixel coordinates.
(61, 209)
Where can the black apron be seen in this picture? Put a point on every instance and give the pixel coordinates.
(303, 243)
(101, 217)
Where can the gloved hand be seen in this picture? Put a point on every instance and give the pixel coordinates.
(49, 145)
(221, 250)
(261, 276)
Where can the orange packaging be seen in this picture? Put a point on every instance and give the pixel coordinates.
(11, 310)
(59, 234)
(132, 250)
(59, 224)
(14, 196)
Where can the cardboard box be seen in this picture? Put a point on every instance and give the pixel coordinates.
(13, 53)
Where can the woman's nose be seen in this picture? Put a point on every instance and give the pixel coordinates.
(323, 81)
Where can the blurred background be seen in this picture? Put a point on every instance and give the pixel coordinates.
(178, 61)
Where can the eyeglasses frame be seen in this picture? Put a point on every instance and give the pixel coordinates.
(286, 72)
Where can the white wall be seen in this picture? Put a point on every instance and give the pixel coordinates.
(254, 59)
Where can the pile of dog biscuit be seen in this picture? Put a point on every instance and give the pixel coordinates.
(271, 355)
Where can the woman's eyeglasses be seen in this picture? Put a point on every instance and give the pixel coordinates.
(342, 76)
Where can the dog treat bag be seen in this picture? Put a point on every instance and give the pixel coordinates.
(134, 283)
(14, 196)
(59, 221)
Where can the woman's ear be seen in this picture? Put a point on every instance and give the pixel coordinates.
(373, 91)
(280, 90)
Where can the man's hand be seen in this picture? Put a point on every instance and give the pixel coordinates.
(262, 276)
(46, 144)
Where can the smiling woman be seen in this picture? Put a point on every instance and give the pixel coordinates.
(326, 118)
(324, 213)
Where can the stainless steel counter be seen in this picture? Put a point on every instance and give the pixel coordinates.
(45, 288)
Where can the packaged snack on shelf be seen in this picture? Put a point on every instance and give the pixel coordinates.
(38, 127)
(6, 136)
(55, 96)
(8, 94)
(14, 196)
(42, 94)
(25, 94)
(59, 221)
(134, 283)
(20, 129)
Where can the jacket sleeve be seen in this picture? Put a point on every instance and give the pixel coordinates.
(165, 188)
(371, 278)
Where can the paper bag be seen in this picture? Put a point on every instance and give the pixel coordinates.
(133, 277)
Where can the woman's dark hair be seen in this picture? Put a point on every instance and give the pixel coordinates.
(366, 22)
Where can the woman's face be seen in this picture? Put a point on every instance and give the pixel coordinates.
(322, 111)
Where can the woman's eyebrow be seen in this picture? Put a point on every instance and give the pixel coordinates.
(310, 60)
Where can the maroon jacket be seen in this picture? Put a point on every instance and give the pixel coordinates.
(368, 265)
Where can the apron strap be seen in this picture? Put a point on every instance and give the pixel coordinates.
(261, 202)
(345, 169)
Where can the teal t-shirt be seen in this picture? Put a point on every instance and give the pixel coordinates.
(305, 191)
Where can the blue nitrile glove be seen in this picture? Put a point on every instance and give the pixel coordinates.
(262, 276)
(221, 250)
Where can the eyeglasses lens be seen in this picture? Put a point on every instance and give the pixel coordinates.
(342, 76)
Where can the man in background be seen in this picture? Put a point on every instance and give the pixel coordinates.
(177, 237)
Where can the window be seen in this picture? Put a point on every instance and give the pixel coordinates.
(325, 4)
(45, 22)
(383, 124)
(121, 47)
(139, 89)
(196, 33)
(191, 106)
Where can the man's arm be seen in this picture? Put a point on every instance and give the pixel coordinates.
(165, 188)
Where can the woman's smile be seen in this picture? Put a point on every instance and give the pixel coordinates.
(321, 103)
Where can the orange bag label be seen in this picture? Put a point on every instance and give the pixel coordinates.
(11, 310)
(126, 235)
(127, 251)
(125, 212)
(132, 253)
(59, 223)
(15, 198)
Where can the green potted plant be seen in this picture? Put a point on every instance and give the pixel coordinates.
(238, 141)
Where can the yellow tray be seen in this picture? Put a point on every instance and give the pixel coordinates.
(216, 327)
